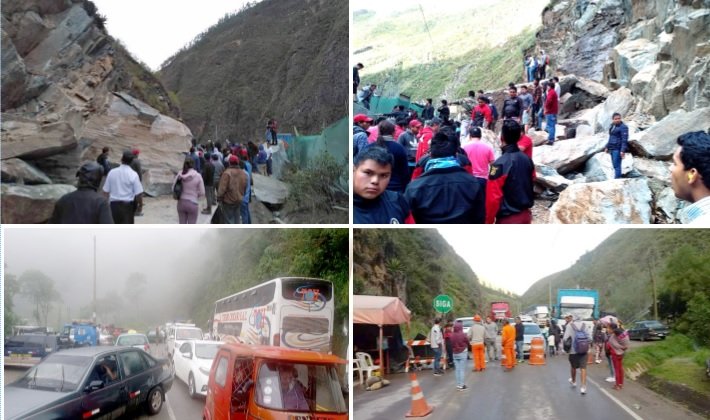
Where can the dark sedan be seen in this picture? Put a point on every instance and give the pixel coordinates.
(89, 382)
(644, 330)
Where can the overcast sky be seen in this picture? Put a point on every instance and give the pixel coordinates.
(154, 30)
(514, 257)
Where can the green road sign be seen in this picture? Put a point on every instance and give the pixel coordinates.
(443, 304)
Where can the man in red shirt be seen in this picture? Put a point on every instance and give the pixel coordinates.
(427, 133)
(551, 109)
(481, 115)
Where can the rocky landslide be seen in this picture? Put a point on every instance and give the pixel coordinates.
(647, 60)
(68, 90)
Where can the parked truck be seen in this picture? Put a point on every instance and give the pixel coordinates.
(581, 303)
(540, 314)
(500, 310)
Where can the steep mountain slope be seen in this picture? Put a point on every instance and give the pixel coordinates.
(621, 269)
(283, 59)
(416, 265)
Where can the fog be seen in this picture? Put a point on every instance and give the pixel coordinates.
(165, 257)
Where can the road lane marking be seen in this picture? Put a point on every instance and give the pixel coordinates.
(170, 409)
(617, 401)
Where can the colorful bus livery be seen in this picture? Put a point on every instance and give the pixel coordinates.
(289, 312)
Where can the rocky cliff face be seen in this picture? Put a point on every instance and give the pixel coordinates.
(647, 60)
(68, 89)
(283, 59)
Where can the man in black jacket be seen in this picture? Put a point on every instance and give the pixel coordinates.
(519, 338)
(445, 193)
(373, 203)
(84, 205)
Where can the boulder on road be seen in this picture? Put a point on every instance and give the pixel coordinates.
(621, 101)
(270, 190)
(667, 206)
(570, 155)
(548, 178)
(20, 172)
(30, 203)
(158, 181)
(659, 141)
(30, 140)
(599, 168)
(619, 201)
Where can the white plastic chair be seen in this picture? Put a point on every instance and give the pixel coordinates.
(356, 368)
(366, 365)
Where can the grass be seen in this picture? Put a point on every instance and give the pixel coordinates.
(674, 359)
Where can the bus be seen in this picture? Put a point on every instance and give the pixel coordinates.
(293, 312)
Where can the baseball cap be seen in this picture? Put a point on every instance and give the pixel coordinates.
(475, 132)
(415, 123)
(436, 120)
(361, 118)
(135, 152)
(233, 159)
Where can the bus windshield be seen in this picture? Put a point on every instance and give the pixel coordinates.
(299, 387)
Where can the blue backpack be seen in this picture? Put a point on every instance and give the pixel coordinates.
(581, 342)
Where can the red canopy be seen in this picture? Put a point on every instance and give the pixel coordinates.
(379, 310)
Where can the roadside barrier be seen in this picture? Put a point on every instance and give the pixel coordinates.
(422, 355)
(537, 352)
(420, 408)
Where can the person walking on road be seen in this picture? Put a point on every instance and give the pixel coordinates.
(598, 339)
(448, 331)
(489, 339)
(84, 205)
(231, 191)
(193, 189)
(459, 346)
(436, 341)
(579, 337)
(208, 180)
(477, 334)
(619, 343)
(124, 191)
(618, 143)
(557, 333)
(508, 344)
(519, 339)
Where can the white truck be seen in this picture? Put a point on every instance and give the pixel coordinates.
(178, 333)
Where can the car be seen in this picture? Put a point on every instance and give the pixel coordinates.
(532, 330)
(192, 362)
(645, 330)
(27, 350)
(89, 381)
(253, 381)
(139, 341)
(179, 333)
(467, 323)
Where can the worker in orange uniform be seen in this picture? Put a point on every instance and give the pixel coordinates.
(508, 342)
(475, 335)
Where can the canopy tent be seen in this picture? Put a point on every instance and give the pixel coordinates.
(380, 311)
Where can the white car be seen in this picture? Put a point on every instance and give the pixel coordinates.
(193, 361)
(139, 341)
(178, 334)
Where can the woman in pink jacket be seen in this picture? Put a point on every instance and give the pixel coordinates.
(192, 191)
(618, 343)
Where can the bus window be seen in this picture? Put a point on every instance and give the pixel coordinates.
(306, 289)
(229, 328)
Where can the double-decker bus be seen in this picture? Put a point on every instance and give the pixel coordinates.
(292, 312)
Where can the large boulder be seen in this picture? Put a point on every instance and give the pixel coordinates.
(654, 169)
(599, 168)
(649, 85)
(548, 178)
(26, 204)
(659, 141)
(158, 181)
(667, 206)
(631, 56)
(621, 101)
(28, 139)
(570, 155)
(619, 201)
(270, 190)
(31, 29)
(698, 93)
(14, 74)
(20, 172)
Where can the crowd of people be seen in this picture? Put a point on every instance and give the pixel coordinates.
(220, 174)
(607, 337)
(438, 170)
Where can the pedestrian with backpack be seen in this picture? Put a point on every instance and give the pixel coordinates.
(578, 339)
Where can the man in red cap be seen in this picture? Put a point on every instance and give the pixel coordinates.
(136, 166)
(244, 208)
(231, 191)
(410, 140)
(361, 123)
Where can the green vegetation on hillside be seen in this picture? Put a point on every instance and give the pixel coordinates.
(417, 265)
(622, 269)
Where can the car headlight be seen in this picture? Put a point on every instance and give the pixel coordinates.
(205, 371)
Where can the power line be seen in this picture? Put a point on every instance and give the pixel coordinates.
(426, 25)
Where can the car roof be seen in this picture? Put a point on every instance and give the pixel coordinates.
(463, 318)
(205, 341)
(131, 335)
(87, 351)
(281, 353)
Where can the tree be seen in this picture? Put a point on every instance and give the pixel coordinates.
(12, 287)
(39, 288)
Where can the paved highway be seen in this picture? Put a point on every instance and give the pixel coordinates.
(528, 392)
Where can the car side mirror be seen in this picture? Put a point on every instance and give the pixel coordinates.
(187, 355)
(94, 385)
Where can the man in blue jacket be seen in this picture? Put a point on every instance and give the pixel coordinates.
(618, 143)
(361, 123)
(373, 202)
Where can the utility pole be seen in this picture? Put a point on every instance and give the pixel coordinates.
(94, 314)
(653, 286)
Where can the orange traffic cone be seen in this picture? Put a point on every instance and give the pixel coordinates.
(419, 406)
(537, 352)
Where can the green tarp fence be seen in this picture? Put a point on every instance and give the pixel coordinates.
(384, 105)
(303, 150)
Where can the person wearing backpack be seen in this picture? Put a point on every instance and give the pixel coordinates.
(578, 337)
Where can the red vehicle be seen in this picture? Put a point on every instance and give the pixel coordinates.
(500, 310)
(273, 383)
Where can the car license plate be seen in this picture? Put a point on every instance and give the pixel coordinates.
(20, 356)
(661, 334)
